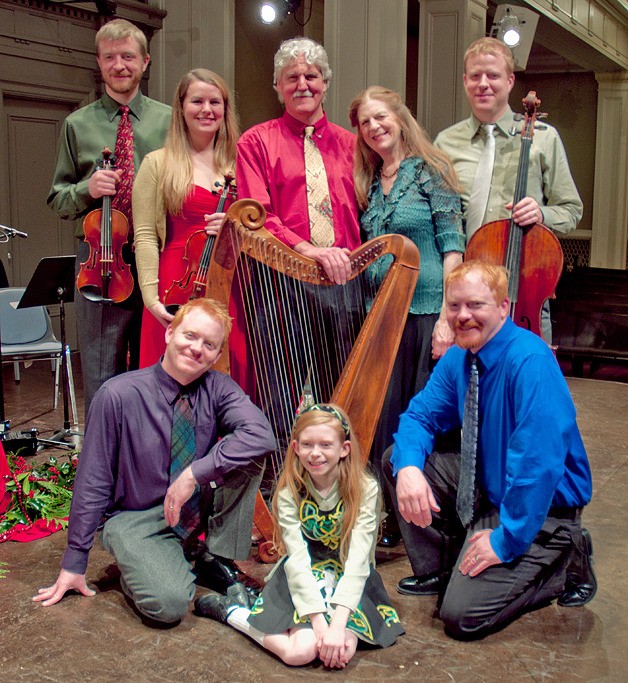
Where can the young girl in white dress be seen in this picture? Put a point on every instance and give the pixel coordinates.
(324, 594)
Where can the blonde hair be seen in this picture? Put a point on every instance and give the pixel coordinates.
(214, 309)
(351, 480)
(177, 175)
(494, 277)
(490, 46)
(415, 141)
(119, 29)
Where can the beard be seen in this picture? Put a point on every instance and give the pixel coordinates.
(467, 341)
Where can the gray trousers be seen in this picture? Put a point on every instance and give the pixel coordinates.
(155, 573)
(473, 607)
(108, 334)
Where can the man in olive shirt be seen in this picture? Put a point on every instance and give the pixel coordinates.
(552, 197)
(108, 333)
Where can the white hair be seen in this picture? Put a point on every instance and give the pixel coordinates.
(290, 50)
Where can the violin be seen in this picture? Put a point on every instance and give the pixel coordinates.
(105, 276)
(531, 254)
(198, 251)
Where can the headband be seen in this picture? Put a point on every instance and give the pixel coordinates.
(325, 408)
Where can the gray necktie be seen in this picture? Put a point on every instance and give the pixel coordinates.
(478, 199)
(466, 485)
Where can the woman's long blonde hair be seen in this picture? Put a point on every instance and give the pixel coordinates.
(177, 174)
(351, 481)
(415, 140)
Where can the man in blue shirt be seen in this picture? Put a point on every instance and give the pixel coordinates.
(532, 473)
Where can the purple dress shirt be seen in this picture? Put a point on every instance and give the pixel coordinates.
(125, 461)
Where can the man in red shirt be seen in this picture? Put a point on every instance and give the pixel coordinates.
(271, 165)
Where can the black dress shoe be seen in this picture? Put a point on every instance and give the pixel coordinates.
(581, 584)
(430, 584)
(214, 606)
(389, 539)
(390, 534)
(216, 573)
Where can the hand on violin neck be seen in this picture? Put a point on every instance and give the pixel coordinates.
(213, 222)
(103, 183)
(526, 212)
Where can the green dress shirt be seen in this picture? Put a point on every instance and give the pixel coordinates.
(549, 178)
(84, 134)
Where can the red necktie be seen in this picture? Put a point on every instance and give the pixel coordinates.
(124, 162)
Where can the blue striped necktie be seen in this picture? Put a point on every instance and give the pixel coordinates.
(183, 453)
(468, 451)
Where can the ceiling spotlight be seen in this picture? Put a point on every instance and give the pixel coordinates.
(272, 11)
(510, 28)
(515, 26)
(267, 13)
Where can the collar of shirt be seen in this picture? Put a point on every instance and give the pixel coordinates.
(503, 124)
(494, 350)
(298, 127)
(112, 107)
(171, 389)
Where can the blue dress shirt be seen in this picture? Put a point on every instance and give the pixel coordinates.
(530, 452)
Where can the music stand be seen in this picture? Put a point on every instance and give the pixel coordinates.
(53, 283)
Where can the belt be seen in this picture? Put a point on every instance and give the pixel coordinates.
(570, 514)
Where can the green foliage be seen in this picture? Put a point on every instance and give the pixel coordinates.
(42, 491)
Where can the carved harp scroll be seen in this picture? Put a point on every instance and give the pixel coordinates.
(362, 385)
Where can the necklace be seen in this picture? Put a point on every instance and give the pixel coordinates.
(391, 175)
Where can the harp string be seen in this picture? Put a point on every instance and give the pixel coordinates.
(300, 333)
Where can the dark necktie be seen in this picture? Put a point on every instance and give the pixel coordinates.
(183, 452)
(468, 451)
(124, 162)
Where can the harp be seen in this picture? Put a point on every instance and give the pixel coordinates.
(257, 270)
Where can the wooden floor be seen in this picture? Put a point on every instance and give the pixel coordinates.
(101, 639)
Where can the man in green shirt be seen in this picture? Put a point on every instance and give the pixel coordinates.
(552, 198)
(108, 333)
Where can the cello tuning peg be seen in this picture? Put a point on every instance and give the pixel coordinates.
(517, 117)
(542, 115)
(539, 126)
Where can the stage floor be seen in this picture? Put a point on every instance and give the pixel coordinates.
(101, 639)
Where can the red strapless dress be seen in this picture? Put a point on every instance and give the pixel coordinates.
(172, 267)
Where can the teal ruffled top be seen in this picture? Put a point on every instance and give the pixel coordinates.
(427, 211)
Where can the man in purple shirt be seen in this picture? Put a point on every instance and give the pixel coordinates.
(271, 165)
(123, 476)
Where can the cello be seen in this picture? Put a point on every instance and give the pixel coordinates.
(531, 254)
(105, 276)
(198, 251)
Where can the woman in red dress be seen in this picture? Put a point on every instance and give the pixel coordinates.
(176, 193)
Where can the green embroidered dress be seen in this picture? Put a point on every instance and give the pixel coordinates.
(311, 577)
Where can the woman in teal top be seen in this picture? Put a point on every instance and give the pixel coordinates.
(406, 185)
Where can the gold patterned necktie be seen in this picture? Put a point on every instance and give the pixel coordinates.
(318, 200)
(478, 199)
(124, 162)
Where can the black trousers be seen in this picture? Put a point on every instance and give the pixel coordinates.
(473, 607)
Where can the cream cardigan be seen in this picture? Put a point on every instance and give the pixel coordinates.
(149, 223)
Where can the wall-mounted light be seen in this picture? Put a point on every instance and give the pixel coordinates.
(509, 29)
(277, 10)
(515, 26)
